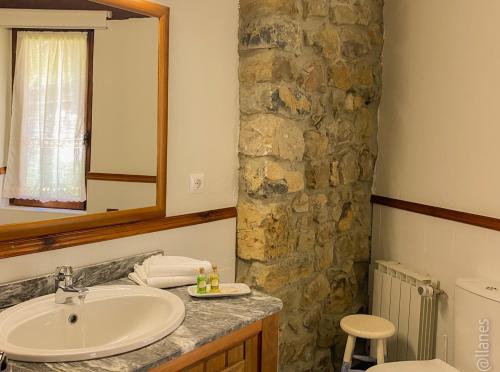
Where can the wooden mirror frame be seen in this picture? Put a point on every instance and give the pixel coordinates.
(24, 238)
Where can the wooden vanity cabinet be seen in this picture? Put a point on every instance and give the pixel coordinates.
(250, 349)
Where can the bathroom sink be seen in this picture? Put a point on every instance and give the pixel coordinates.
(110, 320)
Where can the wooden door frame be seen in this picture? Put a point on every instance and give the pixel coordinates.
(14, 235)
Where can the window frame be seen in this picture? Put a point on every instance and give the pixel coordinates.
(79, 206)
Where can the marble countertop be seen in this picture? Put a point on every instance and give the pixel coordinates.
(206, 320)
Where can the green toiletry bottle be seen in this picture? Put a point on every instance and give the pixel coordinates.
(214, 280)
(201, 281)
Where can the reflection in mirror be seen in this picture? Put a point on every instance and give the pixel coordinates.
(78, 110)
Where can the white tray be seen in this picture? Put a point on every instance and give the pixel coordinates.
(239, 289)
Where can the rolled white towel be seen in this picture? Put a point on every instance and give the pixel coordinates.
(166, 266)
(136, 279)
(165, 282)
(141, 273)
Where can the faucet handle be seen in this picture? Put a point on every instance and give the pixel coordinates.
(64, 274)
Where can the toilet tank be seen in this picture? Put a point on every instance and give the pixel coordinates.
(477, 325)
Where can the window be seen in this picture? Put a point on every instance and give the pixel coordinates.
(49, 151)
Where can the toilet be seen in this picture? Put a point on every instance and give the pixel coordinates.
(477, 315)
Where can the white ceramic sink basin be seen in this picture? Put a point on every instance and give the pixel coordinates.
(112, 320)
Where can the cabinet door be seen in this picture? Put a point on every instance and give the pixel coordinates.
(241, 358)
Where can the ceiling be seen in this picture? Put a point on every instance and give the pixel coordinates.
(67, 5)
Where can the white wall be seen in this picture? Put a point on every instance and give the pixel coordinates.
(438, 140)
(124, 118)
(203, 100)
(125, 91)
(11, 214)
(213, 241)
(203, 124)
(439, 113)
(102, 195)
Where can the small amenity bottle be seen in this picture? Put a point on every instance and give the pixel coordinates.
(201, 281)
(214, 280)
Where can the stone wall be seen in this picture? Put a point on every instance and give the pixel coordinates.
(309, 93)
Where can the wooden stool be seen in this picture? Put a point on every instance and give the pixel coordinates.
(369, 327)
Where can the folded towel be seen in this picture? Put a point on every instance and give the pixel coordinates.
(168, 271)
(139, 270)
(136, 279)
(164, 282)
(165, 260)
(165, 266)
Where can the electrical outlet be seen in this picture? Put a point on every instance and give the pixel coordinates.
(196, 182)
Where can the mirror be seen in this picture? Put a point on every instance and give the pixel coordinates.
(79, 88)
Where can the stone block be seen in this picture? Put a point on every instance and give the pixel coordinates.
(341, 132)
(316, 8)
(340, 76)
(257, 8)
(367, 165)
(324, 234)
(263, 177)
(346, 218)
(343, 254)
(319, 208)
(349, 167)
(316, 291)
(317, 174)
(306, 241)
(312, 77)
(355, 43)
(274, 277)
(345, 15)
(270, 33)
(312, 317)
(262, 230)
(300, 203)
(327, 332)
(277, 99)
(316, 145)
(263, 66)
(346, 170)
(291, 100)
(325, 38)
(324, 255)
(271, 135)
(362, 75)
(340, 298)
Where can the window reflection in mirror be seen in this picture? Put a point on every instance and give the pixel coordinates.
(78, 113)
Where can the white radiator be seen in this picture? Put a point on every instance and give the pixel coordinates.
(396, 298)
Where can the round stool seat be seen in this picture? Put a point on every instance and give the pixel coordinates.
(367, 326)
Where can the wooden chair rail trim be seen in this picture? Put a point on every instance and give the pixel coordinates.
(3, 170)
(221, 344)
(438, 212)
(62, 240)
(121, 177)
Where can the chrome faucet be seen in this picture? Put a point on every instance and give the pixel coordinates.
(66, 292)
(4, 363)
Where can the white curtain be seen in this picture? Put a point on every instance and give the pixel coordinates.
(46, 159)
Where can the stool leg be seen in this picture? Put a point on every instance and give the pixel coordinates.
(380, 351)
(349, 349)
